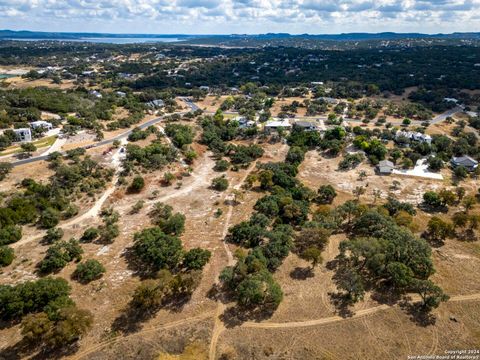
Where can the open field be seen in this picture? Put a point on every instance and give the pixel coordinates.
(373, 334)
(21, 83)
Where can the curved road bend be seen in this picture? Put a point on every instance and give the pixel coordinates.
(100, 143)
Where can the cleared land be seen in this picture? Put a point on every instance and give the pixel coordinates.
(305, 326)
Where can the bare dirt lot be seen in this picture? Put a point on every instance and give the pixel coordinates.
(211, 103)
(21, 83)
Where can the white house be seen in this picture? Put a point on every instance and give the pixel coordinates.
(385, 167)
(275, 125)
(41, 124)
(414, 136)
(95, 93)
(23, 134)
(305, 125)
(158, 103)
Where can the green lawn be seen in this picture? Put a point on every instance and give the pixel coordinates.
(40, 143)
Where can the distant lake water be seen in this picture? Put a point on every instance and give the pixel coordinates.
(6, 76)
(111, 40)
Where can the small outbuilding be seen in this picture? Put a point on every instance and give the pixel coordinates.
(385, 167)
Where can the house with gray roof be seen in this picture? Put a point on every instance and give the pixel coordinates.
(466, 161)
(305, 125)
(385, 167)
(275, 125)
(155, 104)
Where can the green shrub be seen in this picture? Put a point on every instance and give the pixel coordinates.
(31, 296)
(220, 184)
(10, 234)
(53, 235)
(195, 259)
(137, 184)
(90, 234)
(88, 271)
(157, 249)
(60, 254)
(221, 165)
(49, 218)
(6, 255)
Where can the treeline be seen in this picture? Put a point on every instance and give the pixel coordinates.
(360, 71)
(49, 317)
(268, 234)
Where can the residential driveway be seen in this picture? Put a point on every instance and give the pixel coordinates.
(420, 170)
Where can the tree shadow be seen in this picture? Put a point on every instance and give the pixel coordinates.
(435, 243)
(418, 313)
(136, 265)
(23, 156)
(231, 202)
(433, 209)
(300, 273)
(467, 235)
(342, 303)
(236, 315)
(23, 349)
(18, 351)
(386, 295)
(48, 353)
(132, 319)
(332, 264)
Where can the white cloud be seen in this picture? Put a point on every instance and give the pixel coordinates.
(246, 16)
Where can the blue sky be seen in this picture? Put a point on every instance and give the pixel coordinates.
(240, 16)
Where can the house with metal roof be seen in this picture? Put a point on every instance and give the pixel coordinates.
(466, 161)
(275, 125)
(413, 136)
(41, 124)
(385, 167)
(305, 125)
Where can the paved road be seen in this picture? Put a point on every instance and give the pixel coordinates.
(187, 101)
(100, 143)
(443, 116)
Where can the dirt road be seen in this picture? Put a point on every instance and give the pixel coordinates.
(332, 319)
(219, 327)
